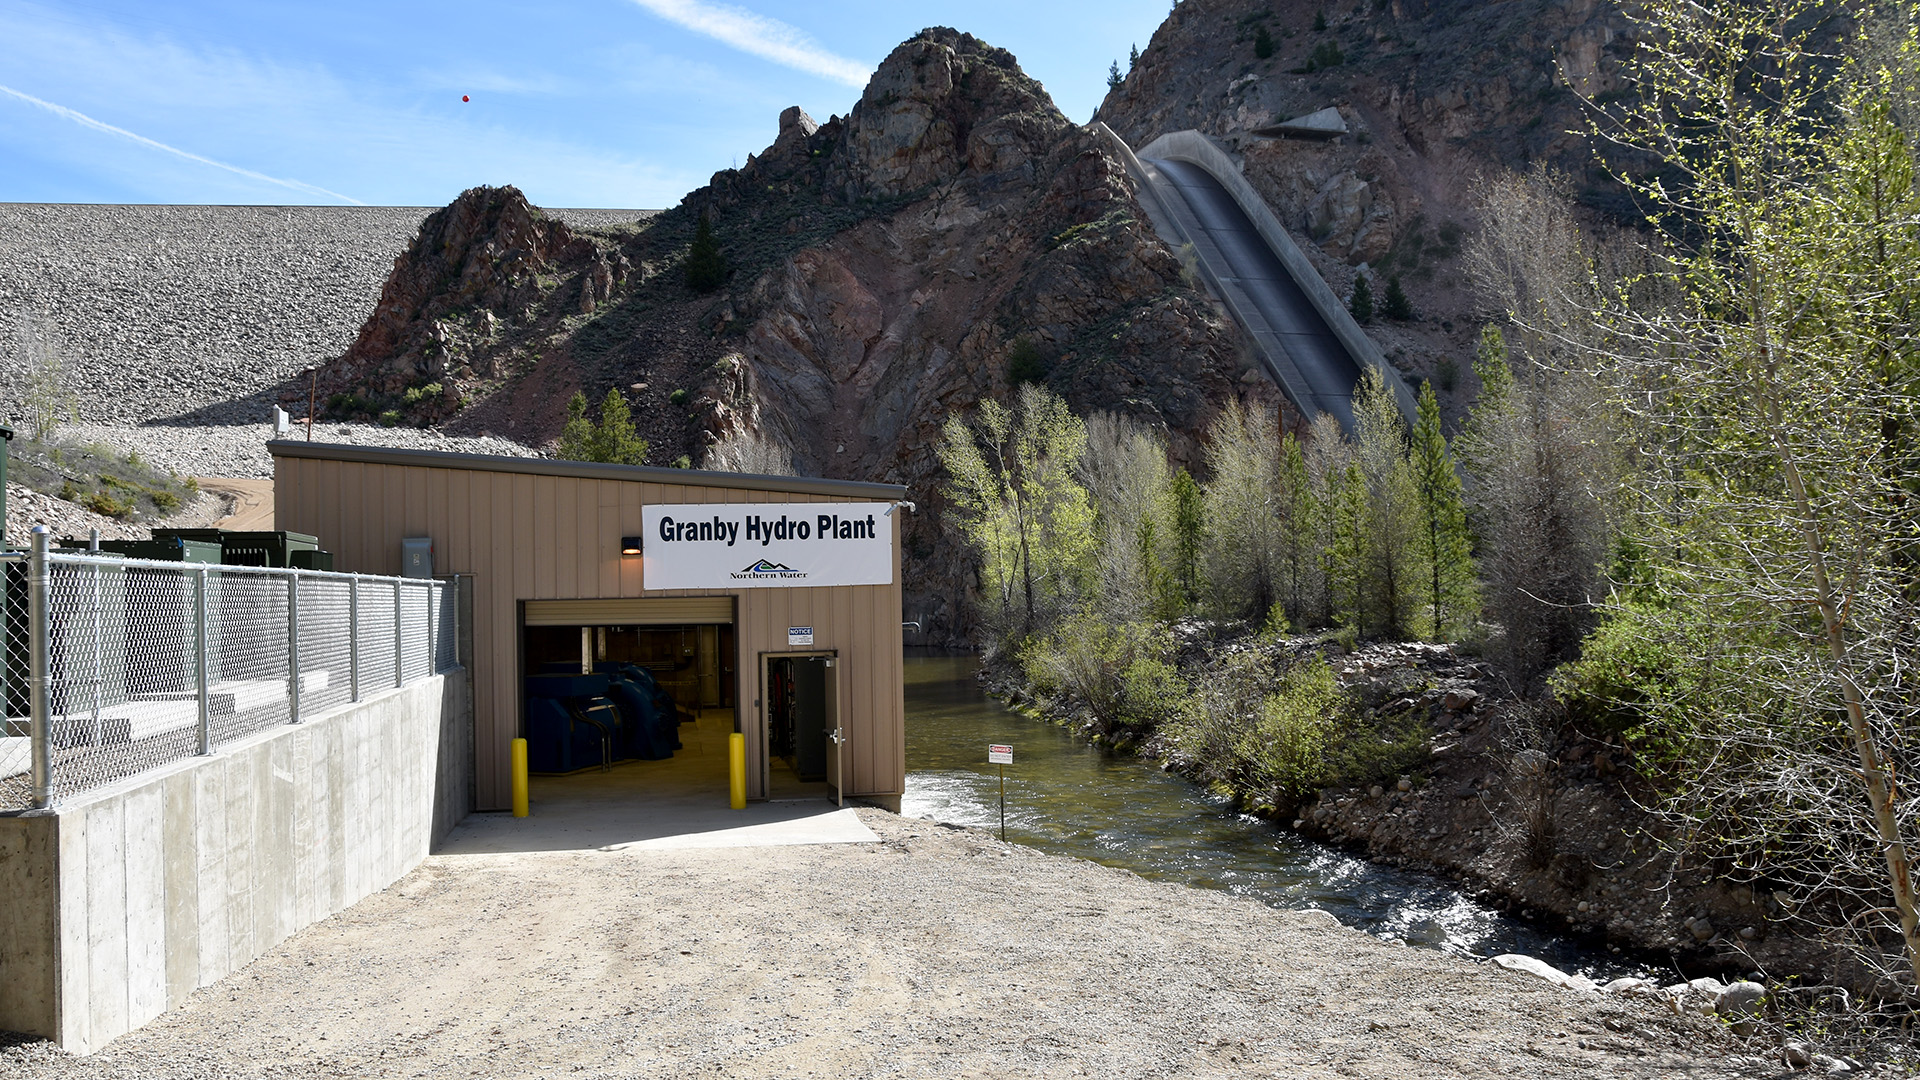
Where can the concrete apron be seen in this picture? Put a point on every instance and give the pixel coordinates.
(618, 812)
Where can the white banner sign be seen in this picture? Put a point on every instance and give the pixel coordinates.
(766, 545)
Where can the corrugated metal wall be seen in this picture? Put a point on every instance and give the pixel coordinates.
(534, 537)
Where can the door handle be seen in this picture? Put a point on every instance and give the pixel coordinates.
(835, 737)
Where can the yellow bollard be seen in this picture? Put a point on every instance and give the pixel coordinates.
(519, 778)
(737, 769)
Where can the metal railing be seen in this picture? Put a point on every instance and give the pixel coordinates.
(112, 666)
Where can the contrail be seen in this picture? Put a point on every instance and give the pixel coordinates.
(87, 121)
(767, 38)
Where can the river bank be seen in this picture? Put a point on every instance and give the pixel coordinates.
(1457, 776)
(934, 952)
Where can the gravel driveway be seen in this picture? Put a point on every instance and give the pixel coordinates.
(937, 952)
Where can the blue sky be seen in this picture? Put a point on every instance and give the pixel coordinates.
(622, 103)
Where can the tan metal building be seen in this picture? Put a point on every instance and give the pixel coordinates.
(543, 543)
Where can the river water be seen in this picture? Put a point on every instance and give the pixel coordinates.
(1069, 798)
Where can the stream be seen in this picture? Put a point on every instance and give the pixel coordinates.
(1069, 798)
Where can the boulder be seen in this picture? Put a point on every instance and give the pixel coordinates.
(1540, 969)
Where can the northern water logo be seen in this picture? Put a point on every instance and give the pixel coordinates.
(767, 568)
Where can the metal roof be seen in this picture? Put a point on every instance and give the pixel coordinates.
(585, 470)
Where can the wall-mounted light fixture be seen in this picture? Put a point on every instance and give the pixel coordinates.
(630, 545)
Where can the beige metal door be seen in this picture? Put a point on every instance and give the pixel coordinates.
(836, 735)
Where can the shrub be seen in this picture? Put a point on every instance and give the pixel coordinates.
(1446, 374)
(1026, 363)
(678, 397)
(103, 503)
(1286, 746)
(389, 418)
(1262, 43)
(164, 501)
(1320, 21)
(1325, 55)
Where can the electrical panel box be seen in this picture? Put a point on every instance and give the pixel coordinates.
(416, 557)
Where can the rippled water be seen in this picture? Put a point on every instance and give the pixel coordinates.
(1066, 797)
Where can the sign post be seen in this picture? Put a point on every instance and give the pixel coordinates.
(1003, 757)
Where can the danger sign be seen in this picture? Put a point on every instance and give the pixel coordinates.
(999, 755)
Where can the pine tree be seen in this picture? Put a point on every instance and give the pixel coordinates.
(1133, 58)
(1262, 43)
(1362, 303)
(1391, 570)
(1347, 555)
(1396, 306)
(1301, 511)
(706, 266)
(613, 440)
(1114, 78)
(1444, 541)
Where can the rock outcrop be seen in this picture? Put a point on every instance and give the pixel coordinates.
(883, 266)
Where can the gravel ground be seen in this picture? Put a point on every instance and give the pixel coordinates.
(939, 952)
(241, 449)
(171, 311)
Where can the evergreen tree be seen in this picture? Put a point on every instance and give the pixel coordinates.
(613, 440)
(1362, 303)
(1396, 306)
(706, 267)
(1262, 43)
(1444, 541)
(1114, 78)
(1133, 58)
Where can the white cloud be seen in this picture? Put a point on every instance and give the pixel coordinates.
(767, 38)
(87, 121)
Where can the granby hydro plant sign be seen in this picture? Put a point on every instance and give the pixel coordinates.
(766, 545)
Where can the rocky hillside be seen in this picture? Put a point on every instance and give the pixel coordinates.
(883, 268)
(1434, 95)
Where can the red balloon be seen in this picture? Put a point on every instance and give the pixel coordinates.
(463, 97)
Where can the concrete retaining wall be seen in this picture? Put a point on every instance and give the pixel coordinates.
(117, 904)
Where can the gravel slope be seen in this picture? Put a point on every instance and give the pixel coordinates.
(939, 952)
(191, 311)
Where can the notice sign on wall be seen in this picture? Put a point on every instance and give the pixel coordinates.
(766, 545)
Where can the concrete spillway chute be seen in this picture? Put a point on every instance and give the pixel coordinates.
(1306, 339)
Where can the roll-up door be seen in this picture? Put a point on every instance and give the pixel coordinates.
(652, 611)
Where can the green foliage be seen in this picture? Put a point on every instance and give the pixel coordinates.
(679, 397)
(1390, 566)
(1361, 303)
(1444, 542)
(1133, 57)
(1446, 373)
(1019, 506)
(1320, 21)
(612, 440)
(390, 418)
(103, 502)
(1026, 363)
(1262, 43)
(1325, 55)
(1286, 747)
(706, 266)
(1115, 80)
(1395, 305)
(1120, 671)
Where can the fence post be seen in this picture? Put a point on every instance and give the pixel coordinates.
(433, 619)
(200, 659)
(353, 636)
(399, 632)
(293, 646)
(39, 667)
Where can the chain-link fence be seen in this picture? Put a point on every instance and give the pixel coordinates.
(112, 666)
